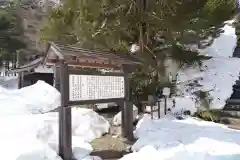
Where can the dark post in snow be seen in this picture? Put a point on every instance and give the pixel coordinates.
(128, 109)
(65, 117)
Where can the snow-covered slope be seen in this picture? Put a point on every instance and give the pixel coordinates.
(217, 74)
(224, 45)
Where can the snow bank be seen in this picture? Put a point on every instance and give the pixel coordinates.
(18, 139)
(171, 139)
(27, 134)
(38, 98)
(86, 124)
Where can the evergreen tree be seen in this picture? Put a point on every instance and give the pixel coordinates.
(158, 27)
(115, 25)
(10, 34)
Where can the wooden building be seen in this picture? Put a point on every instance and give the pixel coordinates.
(32, 72)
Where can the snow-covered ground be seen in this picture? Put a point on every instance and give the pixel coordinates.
(171, 139)
(27, 134)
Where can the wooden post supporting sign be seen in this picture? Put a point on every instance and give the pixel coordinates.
(128, 110)
(65, 117)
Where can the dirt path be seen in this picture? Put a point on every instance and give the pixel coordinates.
(109, 147)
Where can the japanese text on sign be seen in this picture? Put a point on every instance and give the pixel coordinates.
(93, 87)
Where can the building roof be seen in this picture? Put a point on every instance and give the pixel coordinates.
(80, 57)
(33, 64)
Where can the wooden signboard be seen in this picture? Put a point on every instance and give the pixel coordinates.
(95, 87)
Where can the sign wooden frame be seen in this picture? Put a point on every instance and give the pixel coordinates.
(65, 122)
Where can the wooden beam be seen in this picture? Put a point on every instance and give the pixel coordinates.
(51, 62)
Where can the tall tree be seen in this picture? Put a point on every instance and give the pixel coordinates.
(157, 27)
(10, 34)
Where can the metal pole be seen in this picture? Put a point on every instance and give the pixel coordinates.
(65, 117)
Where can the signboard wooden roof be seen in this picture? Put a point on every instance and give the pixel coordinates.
(79, 57)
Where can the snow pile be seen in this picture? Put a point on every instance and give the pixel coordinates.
(18, 139)
(171, 139)
(38, 98)
(86, 124)
(27, 134)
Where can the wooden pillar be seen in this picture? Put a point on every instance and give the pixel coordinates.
(20, 74)
(57, 77)
(127, 114)
(65, 117)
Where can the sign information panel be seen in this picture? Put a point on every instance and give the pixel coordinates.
(94, 87)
